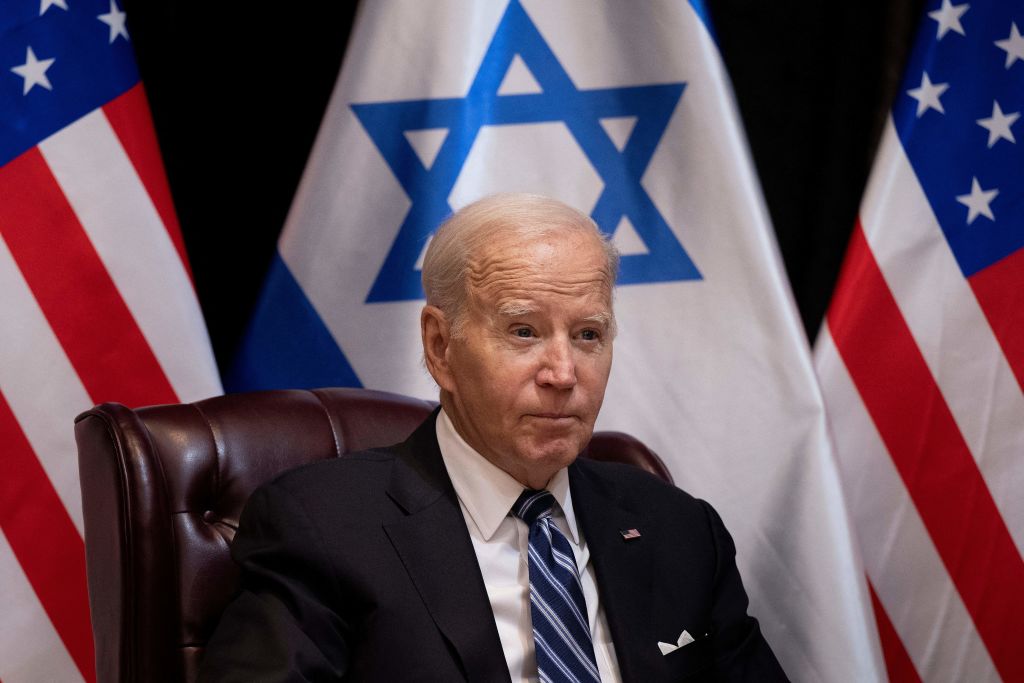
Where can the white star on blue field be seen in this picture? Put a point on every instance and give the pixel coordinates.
(559, 100)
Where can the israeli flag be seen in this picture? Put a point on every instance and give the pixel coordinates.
(622, 110)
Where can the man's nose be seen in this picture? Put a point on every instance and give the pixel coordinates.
(558, 368)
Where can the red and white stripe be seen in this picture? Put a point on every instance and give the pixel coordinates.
(928, 419)
(97, 306)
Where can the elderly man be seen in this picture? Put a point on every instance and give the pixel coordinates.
(481, 549)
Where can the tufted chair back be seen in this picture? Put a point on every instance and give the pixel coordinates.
(163, 488)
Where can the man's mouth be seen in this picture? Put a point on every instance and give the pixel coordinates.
(553, 416)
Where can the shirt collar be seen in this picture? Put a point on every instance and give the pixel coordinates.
(486, 491)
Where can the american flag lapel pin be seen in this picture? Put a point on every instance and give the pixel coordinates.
(629, 534)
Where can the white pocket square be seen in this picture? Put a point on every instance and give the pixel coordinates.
(684, 639)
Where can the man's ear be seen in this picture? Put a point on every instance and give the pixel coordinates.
(436, 332)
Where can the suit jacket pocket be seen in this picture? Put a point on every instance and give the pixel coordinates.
(692, 662)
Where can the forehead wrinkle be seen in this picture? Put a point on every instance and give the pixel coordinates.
(514, 275)
(514, 296)
(479, 274)
(518, 277)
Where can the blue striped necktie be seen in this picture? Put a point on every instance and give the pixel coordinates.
(561, 633)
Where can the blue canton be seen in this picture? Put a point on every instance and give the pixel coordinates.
(957, 117)
(88, 68)
(560, 100)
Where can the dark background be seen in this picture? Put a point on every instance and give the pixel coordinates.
(237, 92)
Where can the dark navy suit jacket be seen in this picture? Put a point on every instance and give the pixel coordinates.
(361, 569)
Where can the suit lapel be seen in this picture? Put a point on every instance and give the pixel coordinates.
(622, 568)
(435, 547)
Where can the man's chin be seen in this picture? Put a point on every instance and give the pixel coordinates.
(554, 455)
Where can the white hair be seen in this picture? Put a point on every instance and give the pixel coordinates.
(525, 216)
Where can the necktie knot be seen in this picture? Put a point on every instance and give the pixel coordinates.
(533, 505)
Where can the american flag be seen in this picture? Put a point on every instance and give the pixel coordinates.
(922, 355)
(96, 303)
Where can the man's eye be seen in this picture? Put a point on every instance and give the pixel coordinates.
(523, 332)
(590, 335)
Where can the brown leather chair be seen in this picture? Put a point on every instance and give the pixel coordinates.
(163, 488)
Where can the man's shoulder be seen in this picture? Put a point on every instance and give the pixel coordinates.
(661, 510)
(353, 486)
(356, 470)
(634, 482)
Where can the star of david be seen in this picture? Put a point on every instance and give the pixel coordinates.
(559, 100)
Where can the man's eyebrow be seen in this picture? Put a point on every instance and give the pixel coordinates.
(603, 318)
(518, 310)
(514, 310)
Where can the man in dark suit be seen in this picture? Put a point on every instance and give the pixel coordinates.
(428, 560)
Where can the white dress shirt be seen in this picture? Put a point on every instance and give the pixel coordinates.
(501, 542)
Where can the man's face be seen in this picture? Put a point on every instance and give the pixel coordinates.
(527, 375)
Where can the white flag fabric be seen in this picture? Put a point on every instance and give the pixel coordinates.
(622, 110)
(96, 304)
(921, 358)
